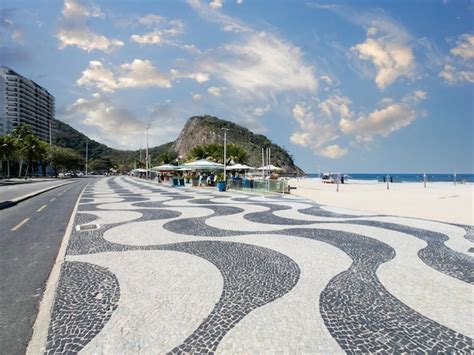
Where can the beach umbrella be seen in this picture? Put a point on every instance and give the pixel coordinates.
(203, 164)
(239, 167)
(270, 168)
(165, 167)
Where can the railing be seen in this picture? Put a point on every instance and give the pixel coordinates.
(264, 186)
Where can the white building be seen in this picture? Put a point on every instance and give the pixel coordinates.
(24, 101)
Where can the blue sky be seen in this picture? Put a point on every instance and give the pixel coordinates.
(366, 86)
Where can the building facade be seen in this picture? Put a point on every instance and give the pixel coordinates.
(24, 101)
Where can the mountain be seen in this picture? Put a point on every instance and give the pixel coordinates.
(198, 130)
(203, 130)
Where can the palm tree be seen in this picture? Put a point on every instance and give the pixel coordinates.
(198, 152)
(236, 154)
(7, 150)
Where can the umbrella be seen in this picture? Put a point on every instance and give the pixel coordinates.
(269, 167)
(139, 170)
(165, 167)
(203, 164)
(239, 167)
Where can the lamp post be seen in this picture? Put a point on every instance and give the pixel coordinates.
(225, 154)
(87, 153)
(147, 156)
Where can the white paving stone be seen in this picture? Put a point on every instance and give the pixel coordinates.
(164, 296)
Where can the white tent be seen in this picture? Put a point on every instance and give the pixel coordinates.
(139, 170)
(203, 164)
(165, 167)
(270, 168)
(239, 167)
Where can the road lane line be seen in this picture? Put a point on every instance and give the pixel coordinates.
(18, 226)
(41, 208)
(54, 198)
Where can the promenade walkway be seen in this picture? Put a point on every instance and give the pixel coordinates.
(150, 269)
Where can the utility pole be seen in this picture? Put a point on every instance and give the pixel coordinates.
(225, 154)
(50, 133)
(263, 163)
(87, 153)
(147, 156)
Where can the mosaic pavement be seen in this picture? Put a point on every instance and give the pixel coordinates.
(156, 270)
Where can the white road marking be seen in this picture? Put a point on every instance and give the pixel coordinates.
(18, 226)
(41, 208)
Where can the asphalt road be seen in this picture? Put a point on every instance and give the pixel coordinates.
(30, 236)
(8, 193)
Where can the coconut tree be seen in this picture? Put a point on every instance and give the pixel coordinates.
(7, 150)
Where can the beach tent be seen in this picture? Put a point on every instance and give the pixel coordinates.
(270, 168)
(239, 167)
(203, 164)
(165, 167)
(139, 170)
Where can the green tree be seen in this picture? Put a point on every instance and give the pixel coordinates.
(167, 157)
(100, 165)
(215, 152)
(64, 159)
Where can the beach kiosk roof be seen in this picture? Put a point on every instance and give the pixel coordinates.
(203, 164)
(239, 167)
(139, 170)
(165, 167)
(270, 167)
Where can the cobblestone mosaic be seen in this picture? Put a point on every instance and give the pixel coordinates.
(86, 297)
(357, 310)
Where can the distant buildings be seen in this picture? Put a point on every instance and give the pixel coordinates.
(24, 101)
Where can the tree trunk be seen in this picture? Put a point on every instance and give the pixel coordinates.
(26, 172)
(19, 168)
(8, 168)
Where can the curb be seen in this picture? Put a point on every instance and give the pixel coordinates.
(37, 343)
(15, 201)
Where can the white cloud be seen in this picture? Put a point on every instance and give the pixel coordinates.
(392, 59)
(98, 76)
(197, 97)
(74, 31)
(240, 2)
(459, 68)
(336, 105)
(215, 91)
(136, 74)
(261, 64)
(327, 79)
(216, 4)
(227, 23)
(260, 111)
(199, 77)
(163, 30)
(454, 76)
(142, 74)
(333, 151)
(384, 121)
(314, 131)
(372, 31)
(99, 116)
(465, 47)
(86, 40)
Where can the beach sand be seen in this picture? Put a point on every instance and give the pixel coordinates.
(440, 201)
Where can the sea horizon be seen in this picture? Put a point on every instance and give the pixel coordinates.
(406, 177)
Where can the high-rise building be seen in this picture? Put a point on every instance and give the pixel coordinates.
(24, 101)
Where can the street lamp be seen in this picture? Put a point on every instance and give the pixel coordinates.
(147, 156)
(225, 154)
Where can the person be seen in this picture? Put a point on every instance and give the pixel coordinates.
(342, 179)
(200, 180)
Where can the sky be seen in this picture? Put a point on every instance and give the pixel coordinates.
(356, 86)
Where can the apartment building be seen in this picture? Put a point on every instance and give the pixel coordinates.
(24, 101)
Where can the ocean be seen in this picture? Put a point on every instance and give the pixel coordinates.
(406, 177)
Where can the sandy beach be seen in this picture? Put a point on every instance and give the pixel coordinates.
(440, 201)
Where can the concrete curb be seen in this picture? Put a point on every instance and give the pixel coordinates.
(15, 201)
(37, 343)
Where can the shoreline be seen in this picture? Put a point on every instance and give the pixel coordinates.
(439, 201)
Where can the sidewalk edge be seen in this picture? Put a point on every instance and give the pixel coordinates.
(15, 201)
(38, 340)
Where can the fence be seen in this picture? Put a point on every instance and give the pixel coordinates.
(264, 186)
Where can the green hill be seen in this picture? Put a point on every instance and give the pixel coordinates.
(198, 130)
